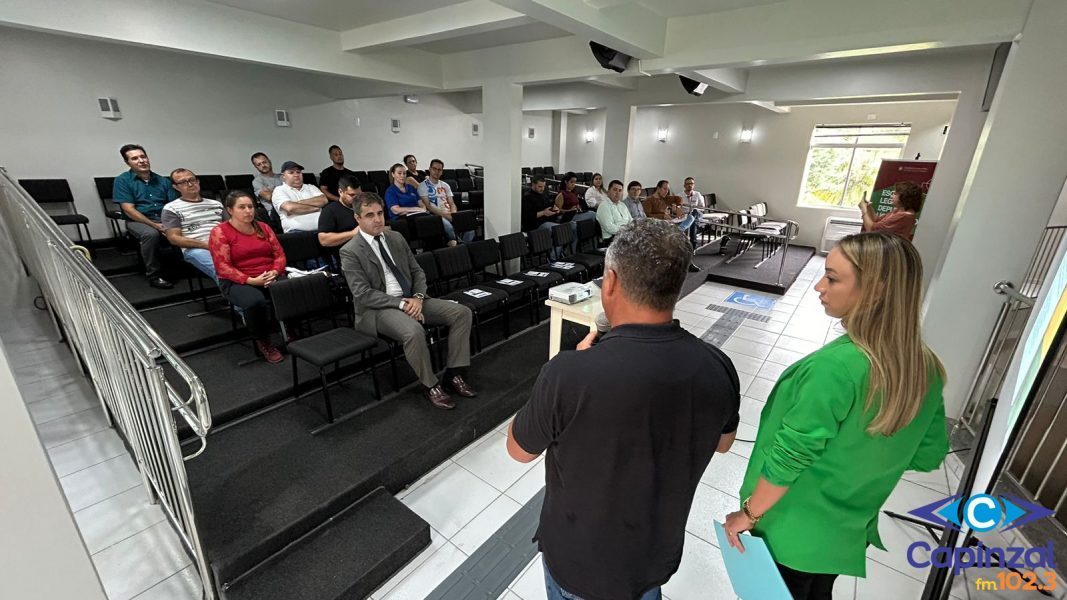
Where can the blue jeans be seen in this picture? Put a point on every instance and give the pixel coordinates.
(555, 592)
(201, 259)
(468, 236)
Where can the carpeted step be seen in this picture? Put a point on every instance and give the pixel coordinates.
(110, 260)
(267, 481)
(187, 326)
(347, 557)
(134, 287)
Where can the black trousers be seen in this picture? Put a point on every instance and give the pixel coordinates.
(253, 303)
(808, 586)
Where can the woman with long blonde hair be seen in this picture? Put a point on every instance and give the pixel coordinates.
(843, 423)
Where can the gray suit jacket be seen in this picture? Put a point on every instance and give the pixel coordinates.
(365, 274)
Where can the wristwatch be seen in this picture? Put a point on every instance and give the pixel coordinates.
(420, 296)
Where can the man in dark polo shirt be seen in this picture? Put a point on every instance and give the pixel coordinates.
(332, 174)
(337, 221)
(629, 424)
(538, 210)
(141, 194)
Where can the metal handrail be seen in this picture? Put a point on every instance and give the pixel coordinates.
(124, 358)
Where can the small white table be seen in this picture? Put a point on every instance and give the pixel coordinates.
(583, 313)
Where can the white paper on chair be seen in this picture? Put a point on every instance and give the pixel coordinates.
(476, 293)
(295, 272)
(562, 265)
(508, 281)
(536, 273)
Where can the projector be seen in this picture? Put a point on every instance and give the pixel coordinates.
(570, 293)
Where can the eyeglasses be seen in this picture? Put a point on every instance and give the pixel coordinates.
(187, 181)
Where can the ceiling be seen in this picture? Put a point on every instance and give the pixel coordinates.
(531, 32)
(338, 15)
(682, 8)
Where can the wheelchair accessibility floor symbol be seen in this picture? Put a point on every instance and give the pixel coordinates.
(750, 300)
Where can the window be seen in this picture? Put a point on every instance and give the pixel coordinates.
(843, 161)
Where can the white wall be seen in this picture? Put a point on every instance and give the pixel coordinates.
(582, 155)
(769, 168)
(201, 113)
(537, 152)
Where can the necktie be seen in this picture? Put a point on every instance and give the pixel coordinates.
(405, 285)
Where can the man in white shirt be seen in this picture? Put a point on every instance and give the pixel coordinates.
(188, 221)
(297, 204)
(435, 196)
(389, 298)
(613, 213)
(693, 198)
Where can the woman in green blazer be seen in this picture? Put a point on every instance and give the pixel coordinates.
(843, 424)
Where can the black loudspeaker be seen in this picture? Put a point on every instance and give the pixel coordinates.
(1000, 56)
(608, 58)
(692, 86)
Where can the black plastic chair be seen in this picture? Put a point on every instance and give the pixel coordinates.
(464, 221)
(538, 171)
(448, 174)
(212, 186)
(105, 188)
(563, 237)
(521, 292)
(238, 182)
(57, 192)
(455, 264)
(540, 241)
(588, 234)
(302, 298)
(380, 179)
(549, 171)
(513, 246)
(311, 179)
(300, 247)
(428, 231)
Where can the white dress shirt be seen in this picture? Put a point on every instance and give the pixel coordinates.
(392, 286)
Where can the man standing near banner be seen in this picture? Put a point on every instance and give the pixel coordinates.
(907, 200)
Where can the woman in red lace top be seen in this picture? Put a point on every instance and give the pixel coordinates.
(248, 258)
(907, 200)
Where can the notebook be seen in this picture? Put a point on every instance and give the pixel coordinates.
(752, 573)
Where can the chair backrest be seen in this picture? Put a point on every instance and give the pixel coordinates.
(464, 220)
(538, 170)
(428, 227)
(212, 186)
(540, 240)
(105, 187)
(743, 219)
(549, 171)
(296, 298)
(484, 253)
(462, 174)
(448, 174)
(464, 185)
(586, 229)
(452, 184)
(300, 246)
(527, 171)
(380, 179)
(428, 264)
(512, 246)
(453, 262)
(237, 182)
(587, 176)
(710, 200)
(759, 209)
(48, 191)
(562, 235)
(362, 177)
(311, 179)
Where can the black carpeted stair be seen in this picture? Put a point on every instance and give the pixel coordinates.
(347, 557)
(265, 482)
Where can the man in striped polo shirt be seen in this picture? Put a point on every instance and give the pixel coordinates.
(188, 221)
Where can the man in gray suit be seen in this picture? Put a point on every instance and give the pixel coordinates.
(389, 293)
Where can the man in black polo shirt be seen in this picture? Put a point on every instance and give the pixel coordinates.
(630, 424)
(337, 221)
(332, 174)
(538, 210)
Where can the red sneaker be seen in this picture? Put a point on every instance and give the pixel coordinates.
(269, 352)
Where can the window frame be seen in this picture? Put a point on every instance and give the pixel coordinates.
(813, 143)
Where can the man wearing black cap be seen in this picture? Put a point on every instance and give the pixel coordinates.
(297, 204)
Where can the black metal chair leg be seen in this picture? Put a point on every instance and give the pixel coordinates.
(477, 332)
(326, 395)
(392, 365)
(369, 359)
(295, 379)
(507, 321)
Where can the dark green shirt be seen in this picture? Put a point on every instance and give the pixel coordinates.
(148, 197)
(812, 438)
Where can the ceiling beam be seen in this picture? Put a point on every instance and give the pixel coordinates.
(771, 106)
(467, 18)
(731, 81)
(631, 28)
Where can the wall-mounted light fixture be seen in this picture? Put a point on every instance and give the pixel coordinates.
(661, 135)
(590, 135)
(746, 135)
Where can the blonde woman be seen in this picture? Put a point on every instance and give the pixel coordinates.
(843, 424)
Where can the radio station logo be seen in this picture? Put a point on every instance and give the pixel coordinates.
(982, 513)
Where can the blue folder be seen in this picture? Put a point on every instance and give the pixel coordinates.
(753, 573)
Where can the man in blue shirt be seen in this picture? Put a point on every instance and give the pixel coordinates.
(141, 194)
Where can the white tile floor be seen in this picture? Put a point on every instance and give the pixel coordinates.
(469, 496)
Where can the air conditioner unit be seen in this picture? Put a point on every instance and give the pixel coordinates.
(109, 108)
(281, 118)
(837, 228)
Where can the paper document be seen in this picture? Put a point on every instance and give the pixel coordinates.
(752, 573)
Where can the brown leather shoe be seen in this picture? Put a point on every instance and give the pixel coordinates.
(461, 387)
(437, 396)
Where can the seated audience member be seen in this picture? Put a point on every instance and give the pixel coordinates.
(612, 214)
(634, 200)
(265, 180)
(628, 427)
(436, 197)
(538, 210)
(188, 221)
(907, 200)
(297, 205)
(332, 174)
(389, 297)
(141, 194)
(571, 207)
(596, 193)
(337, 223)
(402, 195)
(692, 198)
(412, 166)
(248, 258)
(662, 205)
